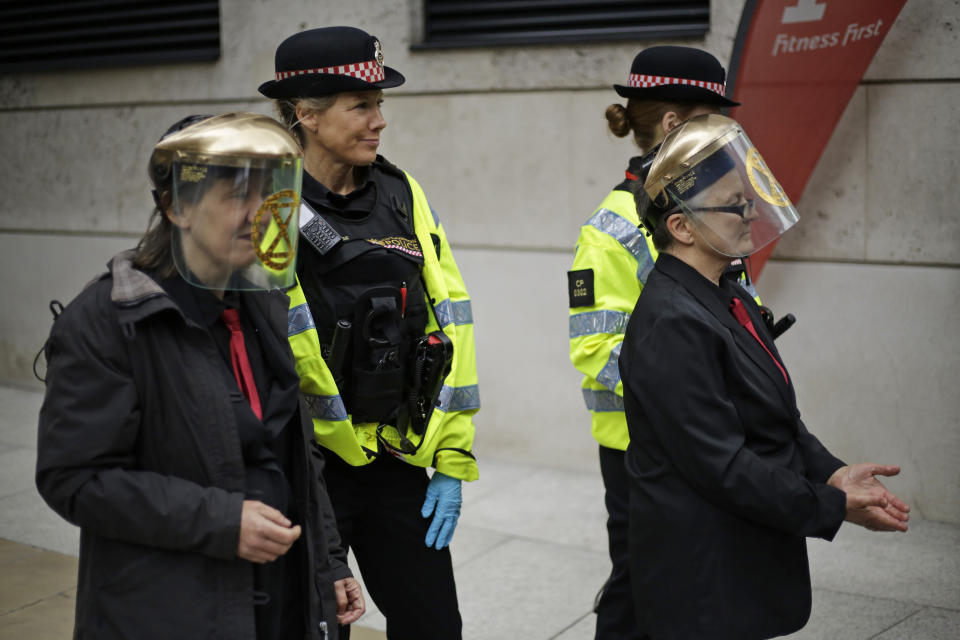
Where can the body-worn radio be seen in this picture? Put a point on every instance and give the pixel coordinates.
(432, 358)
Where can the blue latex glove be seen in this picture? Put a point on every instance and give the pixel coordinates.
(443, 501)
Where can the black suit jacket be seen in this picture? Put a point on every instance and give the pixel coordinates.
(725, 479)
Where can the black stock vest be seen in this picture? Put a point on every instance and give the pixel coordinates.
(370, 279)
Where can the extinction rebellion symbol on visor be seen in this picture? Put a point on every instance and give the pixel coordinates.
(766, 187)
(275, 230)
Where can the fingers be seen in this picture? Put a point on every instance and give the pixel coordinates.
(261, 551)
(897, 503)
(897, 509)
(864, 499)
(893, 512)
(876, 519)
(257, 547)
(428, 504)
(280, 535)
(433, 531)
(350, 616)
(271, 514)
(884, 470)
(354, 605)
(265, 533)
(881, 520)
(341, 593)
(446, 532)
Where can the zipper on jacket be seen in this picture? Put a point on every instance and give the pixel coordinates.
(323, 629)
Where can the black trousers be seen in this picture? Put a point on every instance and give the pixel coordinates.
(615, 614)
(378, 516)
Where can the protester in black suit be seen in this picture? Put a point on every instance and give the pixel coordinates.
(726, 482)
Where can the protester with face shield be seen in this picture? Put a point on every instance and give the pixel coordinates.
(666, 86)
(725, 481)
(171, 431)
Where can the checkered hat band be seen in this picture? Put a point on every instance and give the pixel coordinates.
(368, 71)
(643, 82)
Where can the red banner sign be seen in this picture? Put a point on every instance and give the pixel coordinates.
(795, 66)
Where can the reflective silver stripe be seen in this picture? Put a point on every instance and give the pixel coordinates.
(602, 400)
(462, 312)
(459, 398)
(603, 321)
(627, 234)
(459, 312)
(326, 407)
(443, 313)
(645, 266)
(436, 218)
(609, 376)
(299, 319)
(748, 286)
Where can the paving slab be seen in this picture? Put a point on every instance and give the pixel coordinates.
(582, 629)
(851, 617)
(921, 566)
(13, 552)
(48, 619)
(928, 624)
(359, 632)
(471, 544)
(552, 505)
(29, 579)
(528, 589)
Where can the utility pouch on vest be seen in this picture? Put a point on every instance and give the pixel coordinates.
(432, 357)
(380, 356)
(336, 354)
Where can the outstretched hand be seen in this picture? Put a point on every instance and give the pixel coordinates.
(869, 504)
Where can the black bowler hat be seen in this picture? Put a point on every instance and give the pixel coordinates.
(321, 62)
(676, 74)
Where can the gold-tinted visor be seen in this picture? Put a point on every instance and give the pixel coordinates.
(235, 199)
(709, 170)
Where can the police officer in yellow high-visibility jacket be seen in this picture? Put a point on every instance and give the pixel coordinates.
(382, 330)
(447, 442)
(666, 86)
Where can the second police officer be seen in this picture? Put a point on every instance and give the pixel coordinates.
(382, 330)
(667, 85)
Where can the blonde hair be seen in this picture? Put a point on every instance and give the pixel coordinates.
(287, 108)
(642, 117)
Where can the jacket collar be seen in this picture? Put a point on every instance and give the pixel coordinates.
(135, 293)
(716, 299)
(138, 296)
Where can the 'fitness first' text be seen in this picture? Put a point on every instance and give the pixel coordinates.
(784, 43)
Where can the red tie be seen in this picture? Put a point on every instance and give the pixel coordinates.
(740, 313)
(241, 363)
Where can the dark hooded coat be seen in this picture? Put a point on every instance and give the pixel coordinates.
(138, 446)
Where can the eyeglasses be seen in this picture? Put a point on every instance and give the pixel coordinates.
(739, 209)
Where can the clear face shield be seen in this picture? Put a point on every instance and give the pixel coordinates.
(235, 215)
(236, 227)
(709, 170)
